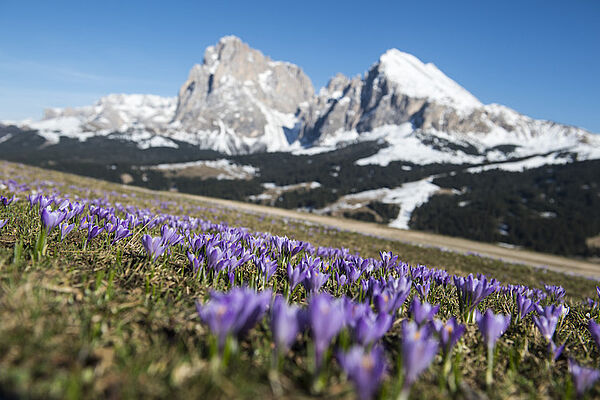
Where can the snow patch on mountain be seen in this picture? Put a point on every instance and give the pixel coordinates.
(415, 79)
(520, 166)
(116, 112)
(404, 145)
(227, 170)
(53, 128)
(134, 117)
(145, 140)
(408, 197)
(273, 192)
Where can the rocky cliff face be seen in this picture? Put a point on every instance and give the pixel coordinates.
(240, 91)
(396, 90)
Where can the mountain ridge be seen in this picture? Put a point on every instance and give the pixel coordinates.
(239, 101)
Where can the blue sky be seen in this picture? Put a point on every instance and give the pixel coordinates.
(541, 58)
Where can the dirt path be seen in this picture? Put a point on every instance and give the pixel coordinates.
(556, 263)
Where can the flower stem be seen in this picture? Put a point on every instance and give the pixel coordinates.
(489, 379)
(404, 393)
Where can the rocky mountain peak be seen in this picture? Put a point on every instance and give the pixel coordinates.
(335, 86)
(238, 91)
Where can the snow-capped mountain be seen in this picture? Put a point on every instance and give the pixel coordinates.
(240, 101)
(137, 117)
(426, 117)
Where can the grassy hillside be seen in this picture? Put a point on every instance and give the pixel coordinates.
(93, 318)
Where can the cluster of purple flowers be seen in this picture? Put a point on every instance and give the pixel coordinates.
(471, 291)
(387, 289)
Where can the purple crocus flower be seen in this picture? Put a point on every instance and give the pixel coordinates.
(492, 326)
(216, 259)
(266, 266)
(252, 306)
(548, 319)
(194, 262)
(51, 219)
(326, 318)
(65, 229)
(314, 280)
(33, 199)
(423, 289)
(583, 377)
(3, 222)
(591, 303)
(546, 325)
(422, 313)
(44, 201)
(364, 369)
(121, 233)
(353, 274)
(286, 247)
(169, 236)
(524, 306)
(233, 313)
(354, 311)
(371, 327)
(153, 246)
(341, 279)
(560, 311)
(388, 259)
(93, 231)
(284, 324)
(471, 291)
(219, 316)
(295, 276)
(556, 293)
(556, 351)
(6, 201)
(594, 329)
(85, 223)
(449, 333)
(418, 351)
(388, 301)
(110, 228)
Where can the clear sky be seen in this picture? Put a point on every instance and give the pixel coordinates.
(541, 58)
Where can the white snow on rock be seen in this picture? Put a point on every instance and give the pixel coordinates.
(228, 170)
(408, 196)
(404, 145)
(520, 166)
(272, 191)
(136, 117)
(418, 80)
